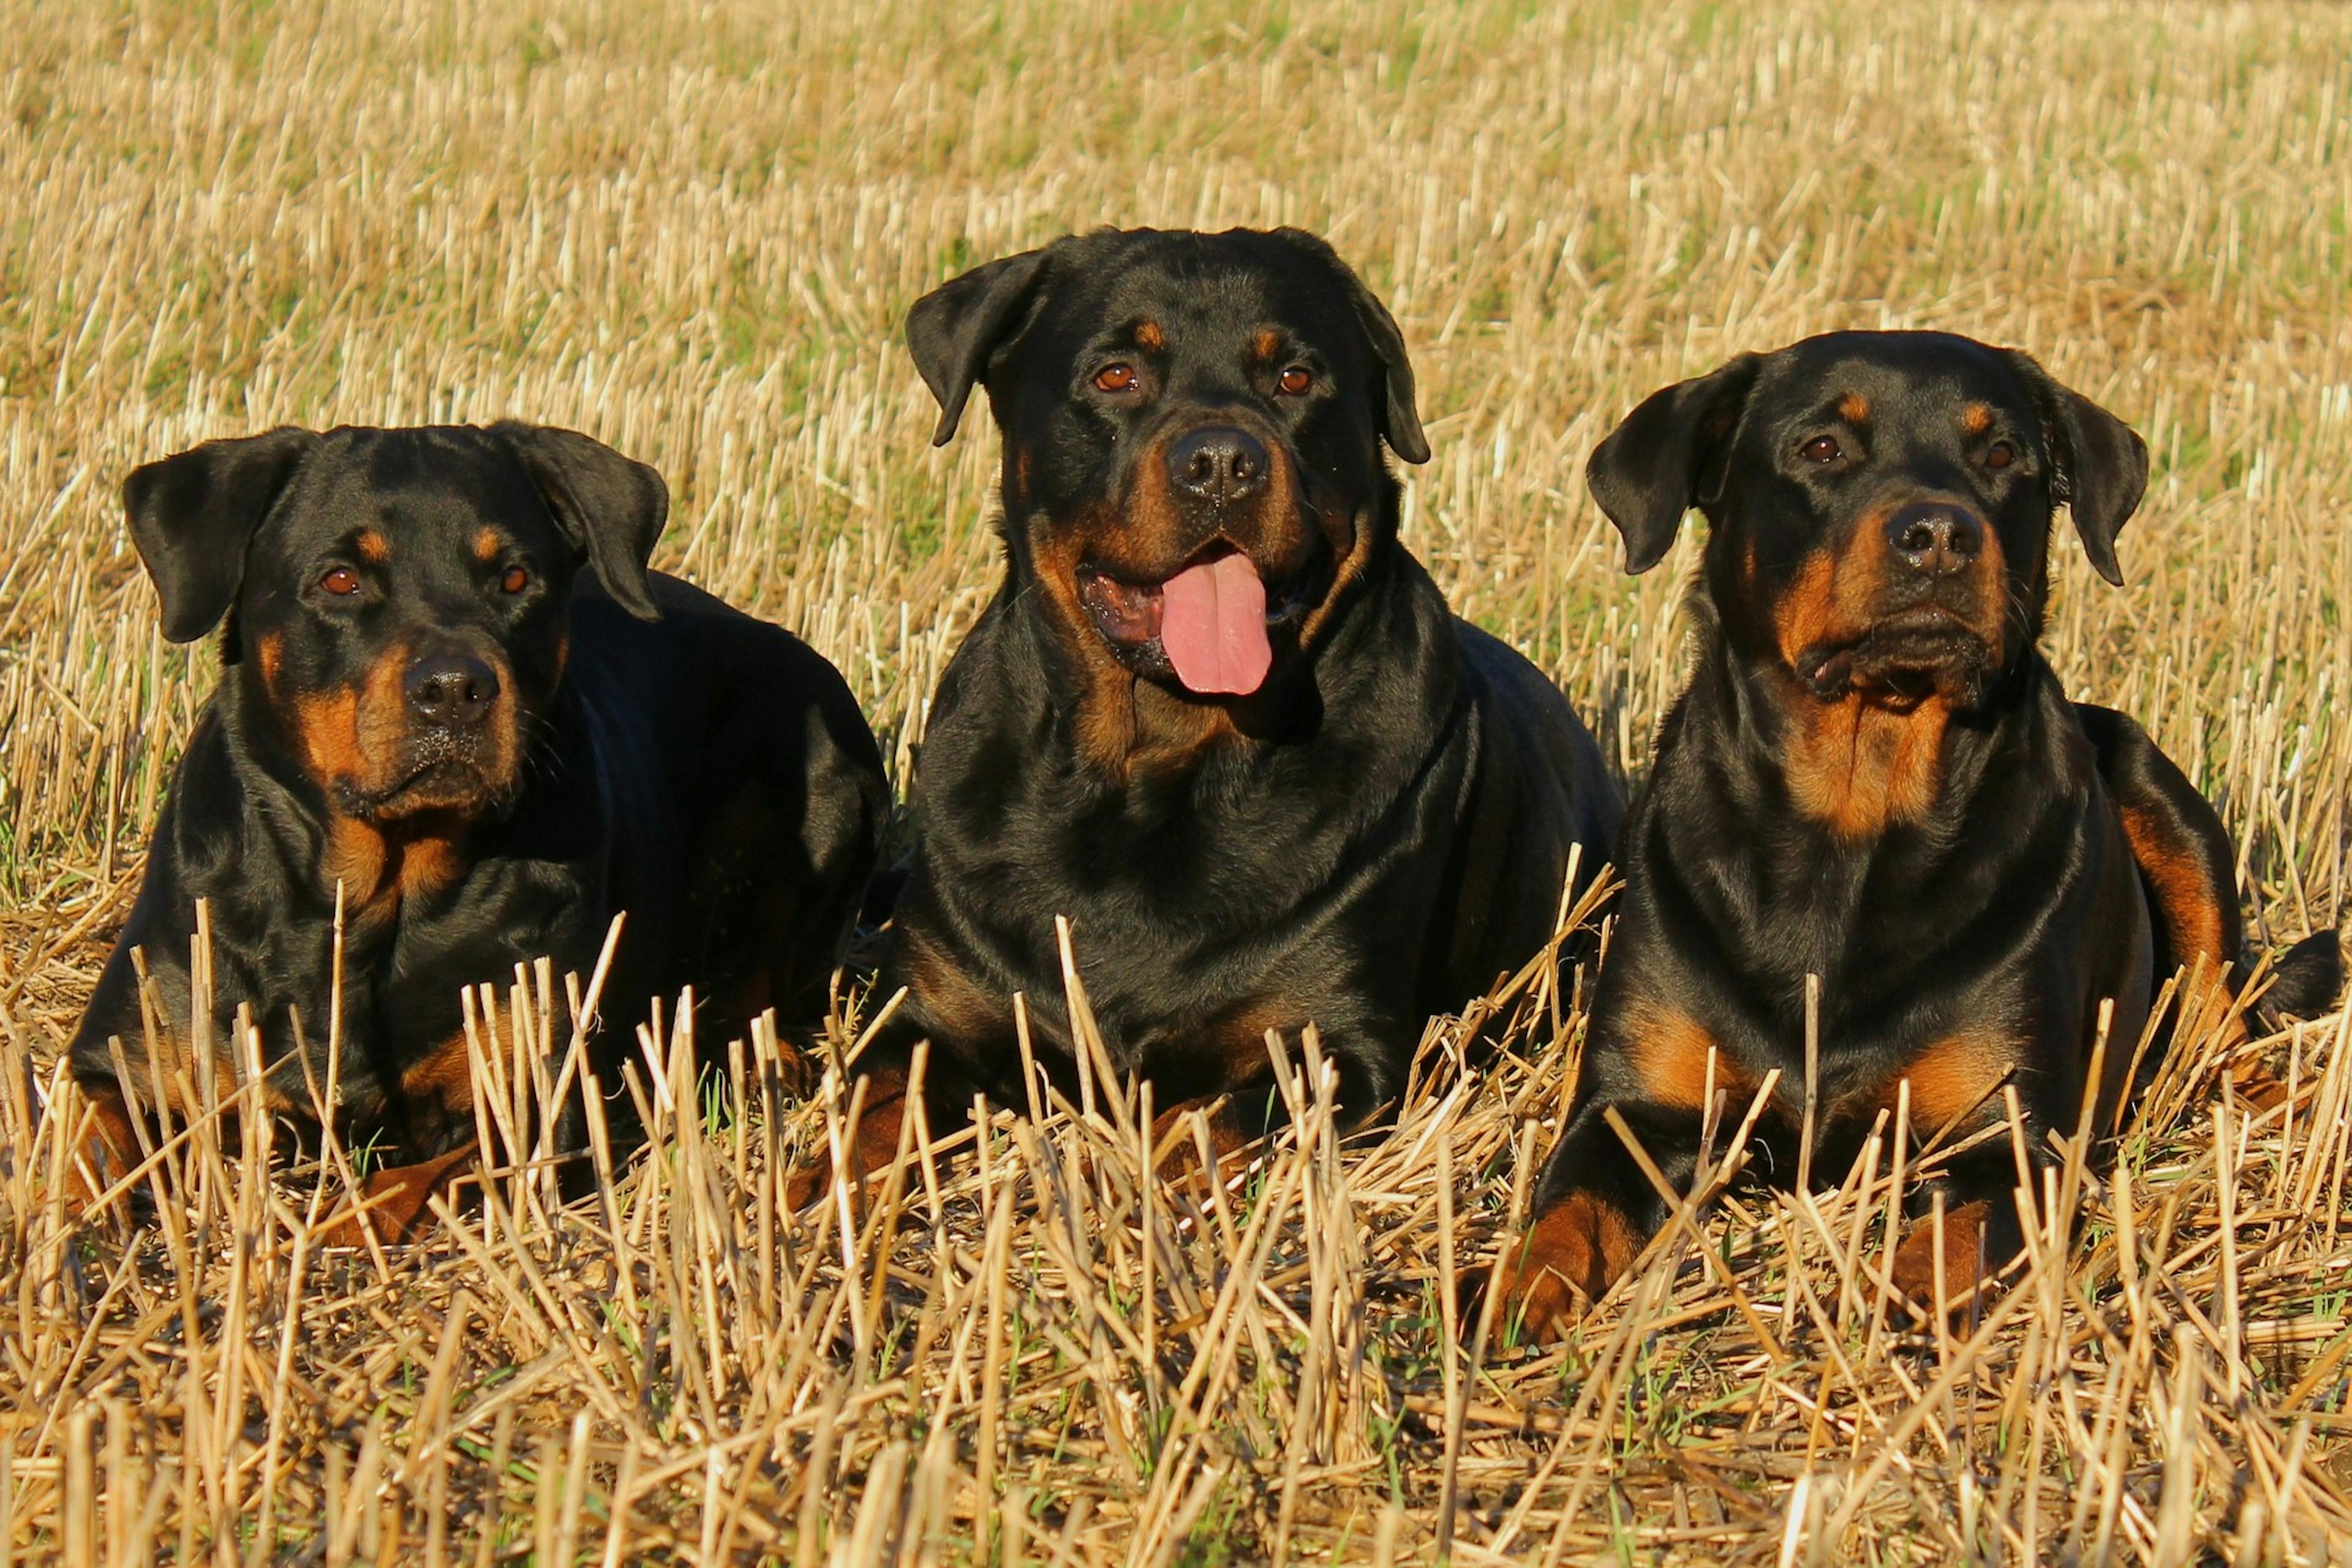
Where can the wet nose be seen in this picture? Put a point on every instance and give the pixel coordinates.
(1936, 538)
(451, 688)
(1218, 464)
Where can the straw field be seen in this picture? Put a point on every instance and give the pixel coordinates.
(693, 229)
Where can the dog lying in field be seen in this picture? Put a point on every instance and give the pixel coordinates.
(420, 708)
(1874, 777)
(1216, 714)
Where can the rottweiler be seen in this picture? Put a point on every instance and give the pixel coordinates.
(1216, 714)
(1874, 777)
(425, 704)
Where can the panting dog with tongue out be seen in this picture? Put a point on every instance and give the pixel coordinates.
(1216, 714)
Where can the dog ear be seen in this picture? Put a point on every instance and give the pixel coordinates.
(1668, 456)
(953, 330)
(192, 515)
(1400, 421)
(2101, 464)
(1400, 416)
(610, 507)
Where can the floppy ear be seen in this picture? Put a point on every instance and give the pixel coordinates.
(1668, 456)
(1400, 421)
(2101, 464)
(1400, 418)
(953, 329)
(611, 507)
(192, 515)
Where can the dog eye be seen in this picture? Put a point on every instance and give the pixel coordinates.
(1115, 377)
(515, 580)
(1296, 380)
(342, 582)
(1999, 455)
(1822, 449)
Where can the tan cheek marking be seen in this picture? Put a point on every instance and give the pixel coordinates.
(1992, 594)
(382, 713)
(1806, 610)
(1105, 726)
(373, 548)
(269, 652)
(1836, 592)
(1855, 766)
(326, 727)
(1854, 408)
(356, 732)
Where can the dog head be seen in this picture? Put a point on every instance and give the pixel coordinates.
(1879, 504)
(1192, 423)
(398, 601)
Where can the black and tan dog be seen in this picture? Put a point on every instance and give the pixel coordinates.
(1216, 714)
(1874, 778)
(419, 706)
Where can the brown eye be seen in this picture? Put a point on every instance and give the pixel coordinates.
(1822, 449)
(1296, 380)
(342, 582)
(1999, 455)
(515, 580)
(1115, 377)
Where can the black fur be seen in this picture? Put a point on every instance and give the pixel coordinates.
(1375, 833)
(626, 744)
(1875, 778)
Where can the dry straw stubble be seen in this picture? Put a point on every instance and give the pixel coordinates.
(692, 230)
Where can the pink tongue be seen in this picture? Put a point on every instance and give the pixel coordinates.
(1213, 624)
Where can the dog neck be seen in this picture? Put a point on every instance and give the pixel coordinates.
(1857, 766)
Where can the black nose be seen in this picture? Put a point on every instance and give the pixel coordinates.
(1218, 463)
(452, 689)
(1935, 537)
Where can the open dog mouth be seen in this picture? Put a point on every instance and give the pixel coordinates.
(1902, 659)
(1211, 625)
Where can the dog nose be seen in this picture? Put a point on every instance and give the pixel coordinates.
(1218, 463)
(1935, 537)
(452, 689)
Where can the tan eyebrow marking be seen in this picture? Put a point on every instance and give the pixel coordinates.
(1854, 408)
(486, 546)
(1977, 418)
(1267, 341)
(1152, 336)
(372, 547)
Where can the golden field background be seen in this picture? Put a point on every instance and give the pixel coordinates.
(693, 231)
